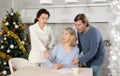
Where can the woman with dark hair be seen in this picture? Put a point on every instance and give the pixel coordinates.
(42, 38)
(40, 12)
(91, 43)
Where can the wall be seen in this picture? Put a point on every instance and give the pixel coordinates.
(23, 4)
(68, 12)
(4, 6)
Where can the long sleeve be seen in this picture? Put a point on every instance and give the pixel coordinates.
(51, 43)
(60, 56)
(36, 43)
(77, 54)
(93, 47)
(50, 61)
(94, 43)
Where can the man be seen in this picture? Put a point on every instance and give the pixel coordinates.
(90, 42)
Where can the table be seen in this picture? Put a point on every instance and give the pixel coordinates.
(45, 71)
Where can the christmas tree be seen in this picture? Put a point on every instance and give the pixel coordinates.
(115, 39)
(13, 40)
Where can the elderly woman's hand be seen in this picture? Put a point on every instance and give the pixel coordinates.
(75, 61)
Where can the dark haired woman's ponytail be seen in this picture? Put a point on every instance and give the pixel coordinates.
(35, 20)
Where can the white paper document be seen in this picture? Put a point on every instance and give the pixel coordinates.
(64, 70)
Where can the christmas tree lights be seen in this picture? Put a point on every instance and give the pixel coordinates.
(114, 58)
(13, 40)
